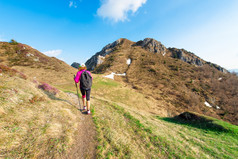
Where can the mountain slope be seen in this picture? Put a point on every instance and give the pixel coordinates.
(34, 121)
(39, 115)
(34, 64)
(132, 125)
(180, 78)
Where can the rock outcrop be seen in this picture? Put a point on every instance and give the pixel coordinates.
(186, 56)
(217, 67)
(99, 57)
(152, 45)
(75, 65)
(191, 58)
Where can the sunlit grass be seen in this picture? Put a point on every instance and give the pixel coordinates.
(120, 124)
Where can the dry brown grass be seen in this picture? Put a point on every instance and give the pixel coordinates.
(34, 123)
(35, 65)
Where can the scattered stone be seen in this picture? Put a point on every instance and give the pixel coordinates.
(29, 54)
(36, 60)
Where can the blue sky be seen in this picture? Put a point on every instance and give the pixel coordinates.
(74, 30)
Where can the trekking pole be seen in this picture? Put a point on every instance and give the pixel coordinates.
(77, 93)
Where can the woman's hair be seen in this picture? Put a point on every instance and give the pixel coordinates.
(82, 68)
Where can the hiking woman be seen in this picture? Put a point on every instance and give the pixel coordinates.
(85, 78)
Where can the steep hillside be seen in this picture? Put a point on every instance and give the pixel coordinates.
(36, 119)
(39, 109)
(34, 64)
(177, 77)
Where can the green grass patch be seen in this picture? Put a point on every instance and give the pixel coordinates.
(211, 137)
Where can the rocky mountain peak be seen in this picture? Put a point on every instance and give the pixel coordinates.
(108, 48)
(98, 58)
(152, 45)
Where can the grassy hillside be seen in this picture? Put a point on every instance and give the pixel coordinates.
(34, 64)
(129, 125)
(36, 120)
(182, 86)
(133, 125)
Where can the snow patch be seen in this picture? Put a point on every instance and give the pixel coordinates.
(207, 104)
(111, 76)
(128, 62)
(218, 107)
(122, 74)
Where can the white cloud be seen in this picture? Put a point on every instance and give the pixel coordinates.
(53, 52)
(73, 4)
(117, 10)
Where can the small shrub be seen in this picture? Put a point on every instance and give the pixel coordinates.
(152, 70)
(195, 90)
(22, 75)
(8, 70)
(13, 42)
(46, 87)
(35, 98)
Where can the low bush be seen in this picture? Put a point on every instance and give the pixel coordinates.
(36, 98)
(48, 88)
(12, 72)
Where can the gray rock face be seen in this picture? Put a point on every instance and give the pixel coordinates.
(193, 59)
(75, 65)
(217, 67)
(99, 57)
(186, 56)
(152, 45)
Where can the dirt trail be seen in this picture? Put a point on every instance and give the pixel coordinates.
(85, 143)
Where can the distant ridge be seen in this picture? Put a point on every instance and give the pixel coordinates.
(153, 46)
(234, 70)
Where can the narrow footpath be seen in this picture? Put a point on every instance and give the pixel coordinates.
(85, 143)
